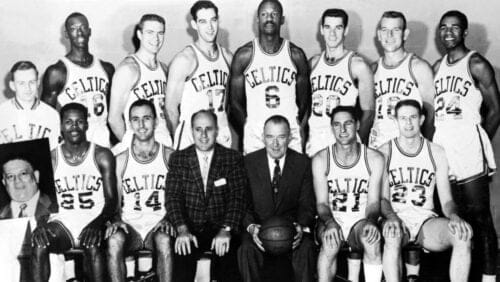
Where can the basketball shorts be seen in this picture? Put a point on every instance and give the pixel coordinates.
(319, 138)
(253, 138)
(161, 135)
(99, 134)
(381, 132)
(73, 223)
(142, 222)
(413, 220)
(468, 150)
(136, 241)
(184, 136)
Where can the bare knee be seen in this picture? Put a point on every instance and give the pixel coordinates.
(329, 252)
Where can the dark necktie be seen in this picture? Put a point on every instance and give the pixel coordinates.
(276, 177)
(22, 207)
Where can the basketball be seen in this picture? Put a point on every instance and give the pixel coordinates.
(276, 235)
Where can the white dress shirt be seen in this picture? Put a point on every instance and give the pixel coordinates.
(30, 209)
(271, 164)
(201, 162)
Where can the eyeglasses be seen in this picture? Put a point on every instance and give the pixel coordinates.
(23, 176)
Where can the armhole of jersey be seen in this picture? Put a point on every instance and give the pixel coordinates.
(469, 73)
(366, 160)
(127, 155)
(138, 69)
(439, 66)
(223, 56)
(317, 63)
(289, 47)
(94, 157)
(410, 68)
(327, 161)
(430, 155)
(164, 154)
(389, 155)
(252, 58)
(196, 61)
(349, 64)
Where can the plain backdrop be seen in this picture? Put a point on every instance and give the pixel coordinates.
(33, 30)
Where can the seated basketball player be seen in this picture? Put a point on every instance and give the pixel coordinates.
(141, 170)
(347, 182)
(415, 167)
(84, 176)
(280, 185)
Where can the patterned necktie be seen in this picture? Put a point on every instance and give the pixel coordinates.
(22, 207)
(276, 177)
(204, 170)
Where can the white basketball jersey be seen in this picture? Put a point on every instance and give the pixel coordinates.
(348, 186)
(332, 85)
(88, 86)
(79, 188)
(412, 177)
(205, 88)
(143, 186)
(270, 85)
(20, 124)
(458, 101)
(152, 86)
(392, 84)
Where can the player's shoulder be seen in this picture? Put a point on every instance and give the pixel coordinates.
(436, 149)
(102, 153)
(122, 157)
(313, 61)
(226, 53)
(128, 68)
(384, 148)
(56, 69)
(418, 63)
(437, 63)
(320, 156)
(244, 52)
(185, 59)
(5, 105)
(358, 60)
(478, 64)
(375, 155)
(296, 51)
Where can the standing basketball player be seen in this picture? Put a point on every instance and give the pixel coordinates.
(269, 76)
(140, 76)
(339, 77)
(141, 171)
(347, 182)
(399, 75)
(84, 176)
(415, 167)
(198, 78)
(465, 89)
(82, 78)
(25, 117)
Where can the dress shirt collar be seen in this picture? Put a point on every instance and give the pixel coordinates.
(271, 164)
(30, 208)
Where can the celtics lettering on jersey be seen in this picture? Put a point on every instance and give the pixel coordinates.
(207, 83)
(271, 74)
(345, 193)
(138, 185)
(455, 88)
(13, 133)
(410, 183)
(82, 184)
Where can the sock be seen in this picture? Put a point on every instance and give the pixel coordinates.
(489, 278)
(130, 266)
(353, 268)
(145, 263)
(412, 269)
(373, 272)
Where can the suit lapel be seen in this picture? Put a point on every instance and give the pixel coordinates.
(215, 168)
(286, 176)
(195, 168)
(6, 212)
(263, 171)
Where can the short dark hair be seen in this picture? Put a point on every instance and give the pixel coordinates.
(408, 102)
(73, 106)
(459, 15)
(338, 13)
(346, 109)
(277, 119)
(203, 4)
(22, 65)
(278, 3)
(140, 103)
(74, 15)
(18, 156)
(204, 111)
(150, 17)
(393, 15)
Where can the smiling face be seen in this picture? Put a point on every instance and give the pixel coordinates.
(333, 31)
(344, 127)
(151, 36)
(142, 122)
(269, 18)
(78, 31)
(25, 84)
(206, 24)
(391, 34)
(409, 121)
(451, 32)
(74, 126)
(20, 180)
(205, 132)
(276, 138)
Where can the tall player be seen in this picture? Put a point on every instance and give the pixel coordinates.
(25, 117)
(82, 78)
(347, 182)
(415, 167)
(140, 76)
(198, 78)
(339, 77)
(269, 76)
(141, 171)
(399, 75)
(84, 176)
(467, 106)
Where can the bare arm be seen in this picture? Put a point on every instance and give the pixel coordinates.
(237, 96)
(302, 87)
(442, 181)
(484, 76)
(126, 76)
(180, 68)
(107, 167)
(320, 183)
(53, 83)
(363, 75)
(425, 81)
(376, 162)
(110, 71)
(385, 202)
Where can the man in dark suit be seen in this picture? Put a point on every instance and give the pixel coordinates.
(205, 201)
(280, 184)
(20, 180)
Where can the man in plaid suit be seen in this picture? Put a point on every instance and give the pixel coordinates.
(205, 201)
